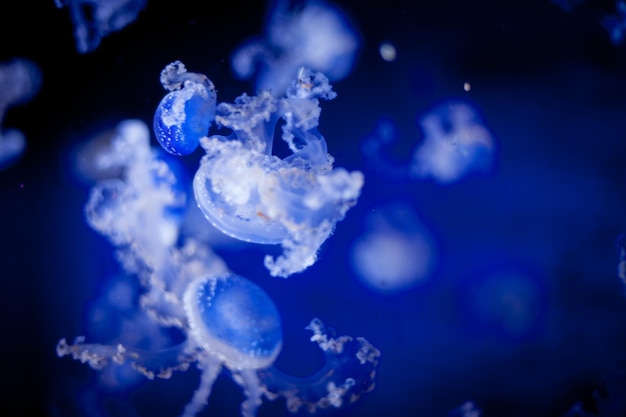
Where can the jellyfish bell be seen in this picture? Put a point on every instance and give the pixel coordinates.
(235, 320)
(185, 114)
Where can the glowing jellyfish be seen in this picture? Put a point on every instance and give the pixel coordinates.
(394, 252)
(227, 321)
(456, 143)
(252, 195)
(94, 19)
(19, 82)
(312, 34)
(186, 113)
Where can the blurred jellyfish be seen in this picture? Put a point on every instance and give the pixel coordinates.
(20, 80)
(395, 252)
(94, 19)
(567, 5)
(508, 302)
(468, 409)
(456, 143)
(241, 187)
(226, 320)
(387, 52)
(615, 24)
(308, 33)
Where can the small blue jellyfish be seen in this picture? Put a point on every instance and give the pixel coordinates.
(185, 114)
(227, 321)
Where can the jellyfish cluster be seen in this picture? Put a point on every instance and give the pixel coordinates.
(241, 187)
(228, 322)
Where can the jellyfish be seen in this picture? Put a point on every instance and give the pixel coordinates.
(228, 322)
(186, 113)
(252, 195)
(312, 34)
(615, 24)
(20, 80)
(395, 251)
(94, 19)
(456, 144)
(468, 409)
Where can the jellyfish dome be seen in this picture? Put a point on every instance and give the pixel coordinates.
(236, 320)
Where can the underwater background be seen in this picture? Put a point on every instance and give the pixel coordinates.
(500, 287)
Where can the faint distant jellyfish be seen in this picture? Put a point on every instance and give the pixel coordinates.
(387, 51)
(456, 143)
(252, 195)
(567, 5)
(468, 409)
(94, 19)
(508, 302)
(20, 80)
(615, 24)
(621, 265)
(312, 34)
(232, 322)
(394, 252)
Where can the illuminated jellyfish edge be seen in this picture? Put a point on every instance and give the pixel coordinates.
(232, 357)
(218, 212)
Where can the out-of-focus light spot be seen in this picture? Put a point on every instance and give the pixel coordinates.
(467, 86)
(388, 52)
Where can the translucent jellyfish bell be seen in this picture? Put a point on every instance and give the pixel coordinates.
(186, 113)
(234, 319)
